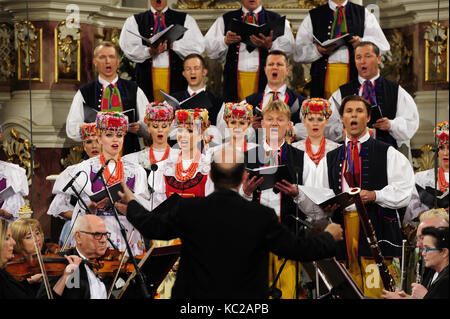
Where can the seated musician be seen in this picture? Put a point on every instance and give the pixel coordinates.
(79, 280)
(11, 288)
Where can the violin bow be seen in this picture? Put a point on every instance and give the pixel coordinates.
(41, 265)
(120, 266)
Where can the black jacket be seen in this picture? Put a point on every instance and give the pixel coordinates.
(225, 243)
(10, 288)
(439, 289)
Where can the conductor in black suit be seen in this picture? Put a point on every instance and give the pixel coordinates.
(225, 239)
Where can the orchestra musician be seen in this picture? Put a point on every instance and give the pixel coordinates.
(226, 239)
(79, 280)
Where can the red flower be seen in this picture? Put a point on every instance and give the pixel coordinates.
(182, 116)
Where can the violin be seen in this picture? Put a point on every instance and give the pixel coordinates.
(108, 265)
(21, 267)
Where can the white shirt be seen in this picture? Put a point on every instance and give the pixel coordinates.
(216, 49)
(400, 177)
(75, 118)
(306, 51)
(406, 121)
(96, 286)
(131, 45)
(16, 178)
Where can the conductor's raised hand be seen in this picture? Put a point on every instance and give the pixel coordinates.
(249, 185)
(335, 230)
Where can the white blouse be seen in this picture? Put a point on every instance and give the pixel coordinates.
(16, 178)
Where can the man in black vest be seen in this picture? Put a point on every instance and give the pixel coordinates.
(109, 93)
(332, 66)
(386, 179)
(159, 68)
(226, 239)
(394, 113)
(274, 150)
(195, 71)
(243, 68)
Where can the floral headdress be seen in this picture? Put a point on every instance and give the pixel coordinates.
(238, 111)
(159, 112)
(441, 132)
(189, 116)
(316, 106)
(115, 121)
(87, 130)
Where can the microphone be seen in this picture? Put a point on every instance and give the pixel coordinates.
(71, 181)
(100, 172)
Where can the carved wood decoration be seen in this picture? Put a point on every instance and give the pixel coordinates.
(29, 51)
(7, 53)
(18, 151)
(436, 52)
(67, 52)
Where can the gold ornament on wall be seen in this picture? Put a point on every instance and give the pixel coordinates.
(7, 52)
(29, 51)
(436, 52)
(18, 151)
(75, 156)
(67, 52)
(426, 159)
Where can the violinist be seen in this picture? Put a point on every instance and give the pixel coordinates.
(80, 280)
(10, 288)
(25, 248)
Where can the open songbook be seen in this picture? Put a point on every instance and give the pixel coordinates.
(113, 189)
(199, 100)
(245, 30)
(172, 33)
(342, 40)
(324, 197)
(427, 197)
(271, 175)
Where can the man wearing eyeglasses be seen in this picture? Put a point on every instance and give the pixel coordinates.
(78, 280)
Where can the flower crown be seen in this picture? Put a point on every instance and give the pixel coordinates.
(112, 121)
(189, 116)
(238, 111)
(441, 132)
(87, 130)
(158, 112)
(316, 106)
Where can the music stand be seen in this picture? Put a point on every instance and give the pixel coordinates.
(155, 264)
(334, 280)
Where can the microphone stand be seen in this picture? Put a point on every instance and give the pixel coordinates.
(296, 234)
(139, 275)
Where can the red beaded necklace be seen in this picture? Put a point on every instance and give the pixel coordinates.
(118, 174)
(190, 171)
(443, 184)
(152, 155)
(315, 157)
